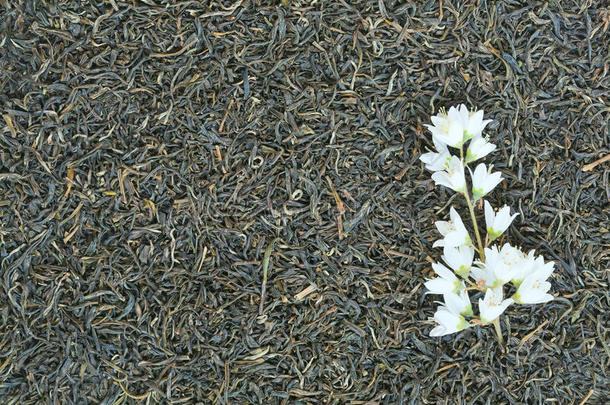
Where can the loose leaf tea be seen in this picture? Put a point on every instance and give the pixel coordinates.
(152, 151)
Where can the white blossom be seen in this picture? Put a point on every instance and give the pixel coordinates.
(439, 160)
(483, 181)
(492, 305)
(454, 232)
(484, 277)
(534, 287)
(448, 127)
(448, 322)
(452, 176)
(497, 223)
(472, 122)
(508, 263)
(459, 259)
(478, 148)
(436, 161)
(451, 315)
(458, 303)
(445, 283)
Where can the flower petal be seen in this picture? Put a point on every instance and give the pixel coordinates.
(443, 272)
(439, 286)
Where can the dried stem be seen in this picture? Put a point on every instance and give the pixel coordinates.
(266, 260)
(498, 328)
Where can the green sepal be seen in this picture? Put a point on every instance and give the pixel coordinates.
(470, 157)
(492, 234)
(463, 324)
(467, 311)
(458, 286)
(516, 283)
(516, 297)
(477, 194)
(463, 271)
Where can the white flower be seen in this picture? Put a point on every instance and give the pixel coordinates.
(448, 127)
(472, 122)
(534, 288)
(525, 268)
(454, 232)
(459, 259)
(483, 181)
(453, 176)
(446, 283)
(484, 277)
(509, 263)
(448, 322)
(492, 305)
(458, 303)
(439, 145)
(436, 161)
(497, 223)
(478, 148)
(450, 316)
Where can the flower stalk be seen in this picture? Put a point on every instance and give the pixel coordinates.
(473, 218)
(458, 129)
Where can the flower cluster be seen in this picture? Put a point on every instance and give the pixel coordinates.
(461, 131)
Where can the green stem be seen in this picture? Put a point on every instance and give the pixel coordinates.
(476, 227)
(472, 215)
(496, 323)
